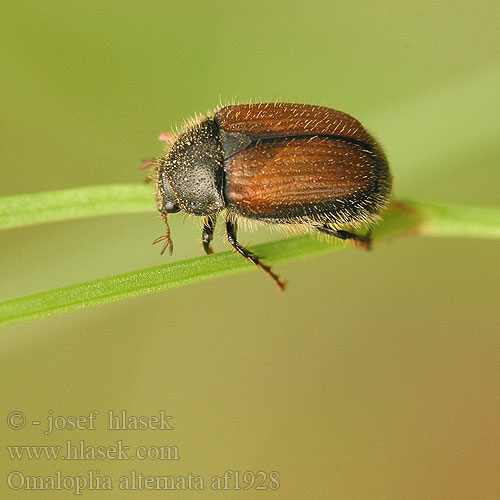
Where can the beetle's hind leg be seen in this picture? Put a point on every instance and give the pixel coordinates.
(231, 236)
(208, 233)
(364, 241)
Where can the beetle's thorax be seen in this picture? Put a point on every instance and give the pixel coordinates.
(193, 169)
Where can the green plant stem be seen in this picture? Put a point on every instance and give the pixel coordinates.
(457, 221)
(89, 201)
(402, 218)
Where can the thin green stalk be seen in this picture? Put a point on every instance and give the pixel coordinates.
(457, 221)
(402, 218)
(89, 201)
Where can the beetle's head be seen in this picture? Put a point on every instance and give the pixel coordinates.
(190, 174)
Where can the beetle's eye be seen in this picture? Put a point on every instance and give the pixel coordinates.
(170, 208)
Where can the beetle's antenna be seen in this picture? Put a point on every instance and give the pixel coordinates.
(147, 163)
(166, 238)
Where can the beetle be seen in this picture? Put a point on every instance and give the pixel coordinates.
(278, 163)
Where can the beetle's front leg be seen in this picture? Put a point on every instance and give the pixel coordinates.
(364, 241)
(166, 238)
(208, 233)
(231, 236)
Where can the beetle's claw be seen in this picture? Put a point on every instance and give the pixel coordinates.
(166, 238)
(168, 244)
(364, 242)
(279, 282)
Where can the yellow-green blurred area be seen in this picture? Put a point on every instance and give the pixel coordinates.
(376, 375)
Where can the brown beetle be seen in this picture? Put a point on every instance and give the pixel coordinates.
(278, 163)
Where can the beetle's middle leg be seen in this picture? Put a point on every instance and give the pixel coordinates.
(231, 236)
(208, 233)
(363, 240)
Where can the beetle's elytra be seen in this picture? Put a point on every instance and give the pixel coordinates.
(278, 163)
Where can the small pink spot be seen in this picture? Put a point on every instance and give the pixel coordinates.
(166, 137)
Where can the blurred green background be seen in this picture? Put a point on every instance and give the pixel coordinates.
(375, 376)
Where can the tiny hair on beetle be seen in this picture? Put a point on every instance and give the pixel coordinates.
(295, 166)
